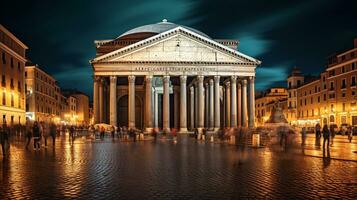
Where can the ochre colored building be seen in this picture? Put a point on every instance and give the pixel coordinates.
(12, 90)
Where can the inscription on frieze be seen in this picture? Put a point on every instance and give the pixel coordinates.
(175, 69)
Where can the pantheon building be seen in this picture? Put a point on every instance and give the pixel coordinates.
(166, 76)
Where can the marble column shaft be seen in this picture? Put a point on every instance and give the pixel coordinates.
(239, 104)
(217, 114)
(131, 102)
(244, 103)
(228, 104)
(201, 102)
(113, 101)
(192, 107)
(183, 104)
(166, 104)
(206, 109)
(211, 104)
(101, 101)
(251, 103)
(233, 101)
(96, 99)
(148, 103)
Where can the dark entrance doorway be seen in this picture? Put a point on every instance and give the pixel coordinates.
(122, 112)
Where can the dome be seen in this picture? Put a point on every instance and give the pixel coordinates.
(158, 28)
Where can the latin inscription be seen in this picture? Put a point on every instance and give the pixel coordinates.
(175, 69)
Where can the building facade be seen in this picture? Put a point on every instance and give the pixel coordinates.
(43, 95)
(12, 64)
(169, 76)
(78, 107)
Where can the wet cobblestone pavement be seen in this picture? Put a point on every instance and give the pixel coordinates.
(164, 170)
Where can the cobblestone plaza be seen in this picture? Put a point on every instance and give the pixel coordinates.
(113, 169)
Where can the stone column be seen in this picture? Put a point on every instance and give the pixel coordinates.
(148, 104)
(176, 107)
(183, 104)
(206, 108)
(244, 103)
(233, 101)
(211, 104)
(131, 102)
(101, 100)
(251, 103)
(113, 101)
(96, 99)
(217, 114)
(239, 103)
(196, 105)
(166, 105)
(156, 110)
(192, 107)
(201, 114)
(228, 104)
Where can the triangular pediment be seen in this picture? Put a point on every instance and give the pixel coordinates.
(177, 45)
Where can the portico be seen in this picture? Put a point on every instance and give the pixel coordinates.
(147, 71)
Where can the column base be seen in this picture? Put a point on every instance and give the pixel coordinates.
(183, 130)
(166, 130)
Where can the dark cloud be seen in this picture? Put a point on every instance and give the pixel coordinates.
(282, 34)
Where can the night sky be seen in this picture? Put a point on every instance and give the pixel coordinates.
(282, 34)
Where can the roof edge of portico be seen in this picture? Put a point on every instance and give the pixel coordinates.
(178, 29)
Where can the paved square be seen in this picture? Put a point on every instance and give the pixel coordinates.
(164, 170)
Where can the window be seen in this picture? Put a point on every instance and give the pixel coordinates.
(343, 70)
(19, 66)
(332, 73)
(353, 81)
(324, 97)
(325, 86)
(289, 84)
(298, 83)
(3, 57)
(12, 83)
(12, 63)
(331, 86)
(305, 102)
(353, 66)
(353, 93)
(343, 57)
(19, 86)
(343, 107)
(343, 94)
(25, 74)
(332, 107)
(318, 99)
(312, 100)
(343, 84)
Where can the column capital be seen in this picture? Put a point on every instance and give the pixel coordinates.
(131, 79)
(251, 78)
(192, 89)
(166, 79)
(113, 79)
(200, 78)
(211, 82)
(233, 79)
(228, 83)
(183, 79)
(148, 78)
(97, 78)
(244, 82)
(216, 78)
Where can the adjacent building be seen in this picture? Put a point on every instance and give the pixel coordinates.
(43, 95)
(78, 111)
(329, 98)
(12, 64)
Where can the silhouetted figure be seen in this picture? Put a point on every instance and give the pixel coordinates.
(318, 131)
(303, 136)
(45, 132)
(28, 132)
(53, 132)
(102, 132)
(326, 136)
(112, 131)
(4, 139)
(332, 133)
(36, 131)
(71, 134)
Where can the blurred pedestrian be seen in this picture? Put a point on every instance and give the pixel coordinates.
(112, 131)
(102, 132)
(36, 131)
(45, 131)
(303, 136)
(350, 133)
(318, 131)
(53, 132)
(71, 134)
(332, 133)
(28, 132)
(326, 136)
(4, 139)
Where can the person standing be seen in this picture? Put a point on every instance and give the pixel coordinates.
(303, 136)
(45, 132)
(71, 134)
(36, 131)
(53, 130)
(102, 132)
(112, 131)
(28, 132)
(326, 135)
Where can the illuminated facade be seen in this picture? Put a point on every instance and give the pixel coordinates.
(77, 107)
(43, 95)
(12, 91)
(266, 101)
(212, 84)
